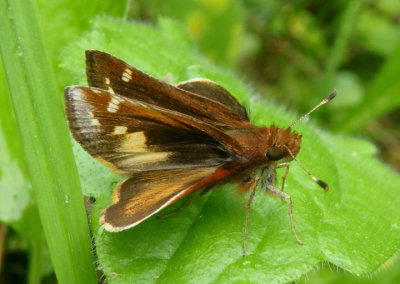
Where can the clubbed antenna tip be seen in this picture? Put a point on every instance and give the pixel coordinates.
(324, 101)
(331, 96)
(322, 184)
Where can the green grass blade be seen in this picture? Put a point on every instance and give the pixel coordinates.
(16, 201)
(36, 250)
(38, 107)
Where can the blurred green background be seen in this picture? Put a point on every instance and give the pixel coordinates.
(295, 52)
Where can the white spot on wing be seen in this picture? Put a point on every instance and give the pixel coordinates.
(113, 105)
(107, 81)
(127, 75)
(94, 122)
(119, 130)
(76, 94)
(111, 90)
(149, 157)
(134, 142)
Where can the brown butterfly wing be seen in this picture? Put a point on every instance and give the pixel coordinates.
(109, 73)
(130, 136)
(213, 91)
(136, 199)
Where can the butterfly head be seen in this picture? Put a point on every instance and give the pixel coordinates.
(283, 145)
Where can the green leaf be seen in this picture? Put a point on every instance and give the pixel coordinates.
(355, 225)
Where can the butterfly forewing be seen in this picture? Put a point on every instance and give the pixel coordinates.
(131, 136)
(211, 104)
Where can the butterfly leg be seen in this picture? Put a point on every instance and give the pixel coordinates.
(282, 194)
(284, 165)
(252, 183)
(186, 204)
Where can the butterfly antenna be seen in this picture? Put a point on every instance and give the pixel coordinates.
(321, 183)
(324, 101)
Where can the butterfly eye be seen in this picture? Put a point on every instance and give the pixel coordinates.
(275, 153)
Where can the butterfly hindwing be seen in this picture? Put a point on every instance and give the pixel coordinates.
(136, 199)
(130, 136)
(109, 73)
(213, 91)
